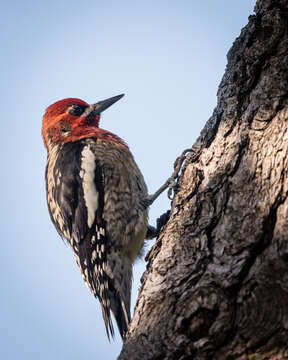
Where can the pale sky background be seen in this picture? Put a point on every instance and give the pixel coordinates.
(168, 57)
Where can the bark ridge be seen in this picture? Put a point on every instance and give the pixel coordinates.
(216, 285)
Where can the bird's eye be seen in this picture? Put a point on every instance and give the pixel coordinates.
(76, 110)
(65, 129)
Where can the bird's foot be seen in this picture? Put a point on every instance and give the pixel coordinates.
(153, 232)
(171, 183)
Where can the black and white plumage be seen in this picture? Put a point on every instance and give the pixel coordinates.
(94, 195)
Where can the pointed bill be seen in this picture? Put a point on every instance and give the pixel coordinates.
(104, 104)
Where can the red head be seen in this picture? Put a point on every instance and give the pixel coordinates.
(73, 119)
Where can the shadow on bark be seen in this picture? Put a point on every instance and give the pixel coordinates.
(216, 285)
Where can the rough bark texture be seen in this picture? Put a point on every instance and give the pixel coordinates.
(216, 285)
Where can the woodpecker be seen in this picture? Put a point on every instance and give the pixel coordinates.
(97, 199)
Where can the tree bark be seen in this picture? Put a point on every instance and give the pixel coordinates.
(216, 284)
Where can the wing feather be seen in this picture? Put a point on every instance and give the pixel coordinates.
(79, 193)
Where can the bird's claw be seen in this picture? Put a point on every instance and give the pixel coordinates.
(162, 220)
(153, 232)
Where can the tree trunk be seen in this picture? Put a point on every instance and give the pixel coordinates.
(216, 285)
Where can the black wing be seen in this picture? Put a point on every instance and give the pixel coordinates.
(79, 194)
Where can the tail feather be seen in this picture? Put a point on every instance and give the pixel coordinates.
(119, 271)
(105, 280)
(119, 310)
(107, 320)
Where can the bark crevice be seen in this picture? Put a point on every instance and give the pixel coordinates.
(216, 280)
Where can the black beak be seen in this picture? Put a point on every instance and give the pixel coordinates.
(104, 104)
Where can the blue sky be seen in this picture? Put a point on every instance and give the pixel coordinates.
(168, 58)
